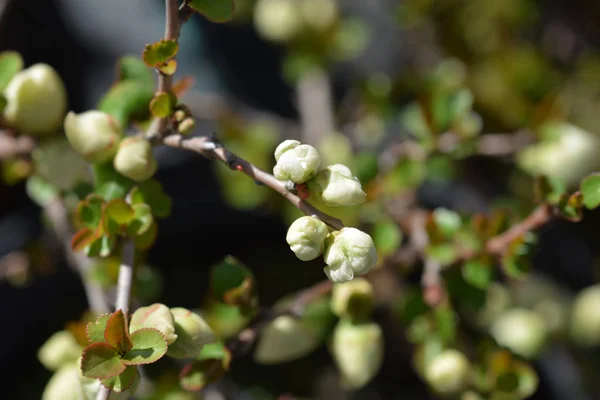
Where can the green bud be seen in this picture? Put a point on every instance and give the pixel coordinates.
(135, 160)
(186, 126)
(63, 384)
(285, 339)
(522, 331)
(93, 134)
(192, 334)
(277, 20)
(296, 162)
(357, 350)
(448, 372)
(353, 300)
(60, 349)
(179, 115)
(585, 317)
(36, 100)
(319, 15)
(336, 186)
(349, 252)
(306, 237)
(157, 316)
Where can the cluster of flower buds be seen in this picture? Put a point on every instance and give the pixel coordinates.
(99, 138)
(183, 121)
(348, 252)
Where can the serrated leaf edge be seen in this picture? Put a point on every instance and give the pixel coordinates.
(87, 333)
(126, 362)
(128, 387)
(83, 355)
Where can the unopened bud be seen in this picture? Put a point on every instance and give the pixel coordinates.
(448, 372)
(157, 316)
(296, 162)
(348, 253)
(306, 237)
(358, 352)
(585, 317)
(135, 160)
(36, 100)
(192, 334)
(60, 349)
(179, 115)
(277, 20)
(93, 134)
(353, 300)
(336, 186)
(186, 126)
(522, 331)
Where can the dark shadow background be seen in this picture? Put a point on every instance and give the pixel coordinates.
(202, 229)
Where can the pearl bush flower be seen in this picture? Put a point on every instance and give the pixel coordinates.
(349, 252)
(585, 317)
(135, 159)
(306, 237)
(448, 372)
(36, 100)
(93, 134)
(296, 162)
(522, 331)
(192, 334)
(336, 186)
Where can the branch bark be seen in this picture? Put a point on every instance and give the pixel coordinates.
(208, 148)
(315, 106)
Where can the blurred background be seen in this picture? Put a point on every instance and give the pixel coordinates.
(532, 68)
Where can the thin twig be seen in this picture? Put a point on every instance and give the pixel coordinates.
(208, 148)
(125, 280)
(11, 146)
(56, 212)
(315, 106)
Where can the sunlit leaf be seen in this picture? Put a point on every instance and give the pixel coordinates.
(214, 10)
(151, 193)
(127, 100)
(123, 381)
(158, 53)
(10, 64)
(149, 345)
(95, 329)
(99, 360)
(163, 104)
(590, 189)
(116, 333)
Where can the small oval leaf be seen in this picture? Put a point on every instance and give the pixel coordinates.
(149, 345)
(101, 361)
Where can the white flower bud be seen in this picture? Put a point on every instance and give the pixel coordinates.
(448, 372)
(585, 317)
(93, 134)
(296, 162)
(192, 334)
(157, 316)
(135, 159)
(522, 331)
(336, 186)
(306, 237)
(285, 339)
(358, 352)
(36, 100)
(277, 20)
(60, 349)
(354, 300)
(349, 252)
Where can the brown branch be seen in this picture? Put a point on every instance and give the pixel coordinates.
(11, 146)
(240, 344)
(208, 148)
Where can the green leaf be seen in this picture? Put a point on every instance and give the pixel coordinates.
(387, 236)
(158, 53)
(95, 329)
(101, 361)
(233, 283)
(151, 193)
(163, 104)
(446, 254)
(149, 345)
(214, 10)
(516, 260)
(590, 189)
(123, 381)
(445, 323)
(116, 332)
(142, 220)
(117, 215)
(89, 211)
(103, 246)
(82, 239)
(133, 68)
(548, 189)
(110, 184)
(126, 101)
(168, 68)
(145, 240)
(478, 272)
(10, 64)
(447, 222)
(210, 366)
(41, 191)
(571, 207)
